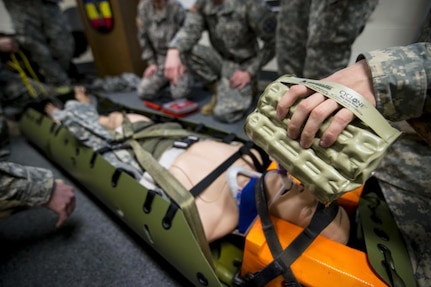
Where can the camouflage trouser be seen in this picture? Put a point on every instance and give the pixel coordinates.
(208, 66)
(82, 120)
(150, 86)
(406, 184)
(314, 38)
(42, 32)
(13, 92)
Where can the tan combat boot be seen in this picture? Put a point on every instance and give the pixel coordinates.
(208, 109)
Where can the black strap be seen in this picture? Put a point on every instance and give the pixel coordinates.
(205, 182)
(271, 238)
(283, 259)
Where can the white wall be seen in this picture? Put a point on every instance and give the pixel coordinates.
(393, 23)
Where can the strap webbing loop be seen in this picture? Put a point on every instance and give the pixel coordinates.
(284, 258)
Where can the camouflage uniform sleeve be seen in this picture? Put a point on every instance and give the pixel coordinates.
(401, 80)
(147, 51)
(180, 15)
(263, 21)
(30, 185)
(191, 32)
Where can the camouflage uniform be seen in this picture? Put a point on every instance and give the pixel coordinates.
(314, 38)
(13, 93)
(82, 120)
(20, 186)
(234, 29)
(402, 81)
(156, 28)
(41, 30)
(23, 186)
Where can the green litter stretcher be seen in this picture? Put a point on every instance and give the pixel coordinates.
(171, 226)
(153, 217)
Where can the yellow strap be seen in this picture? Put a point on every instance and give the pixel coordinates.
(32, 73)
(15, 64)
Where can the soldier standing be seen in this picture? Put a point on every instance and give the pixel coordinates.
(315, 38)
(397, 81)
(232, 65)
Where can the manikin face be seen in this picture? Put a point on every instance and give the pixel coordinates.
(288, 199)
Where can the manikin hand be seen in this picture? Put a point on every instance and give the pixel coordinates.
(312, 111)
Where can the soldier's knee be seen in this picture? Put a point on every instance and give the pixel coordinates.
(183, 88)
(223, 116)
(180, 93)
(147, 89)
(141, 89)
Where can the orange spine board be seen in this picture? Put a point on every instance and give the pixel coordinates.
(323, 263)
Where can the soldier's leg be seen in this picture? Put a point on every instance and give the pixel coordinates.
(291, 36)
(52, 71)
(150, 86)
(184, 86)
(60, 40)
(15, 93)
(332, 33)
(232, 103)
(412, 217)
(27, 20)
(205, 64)
(406, 185)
